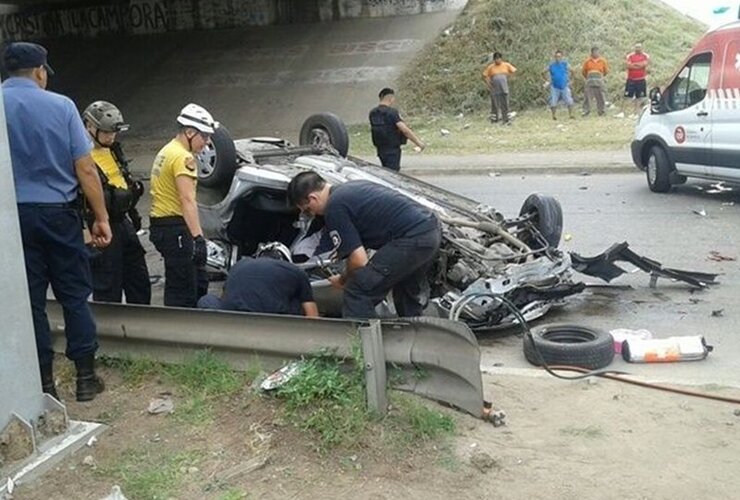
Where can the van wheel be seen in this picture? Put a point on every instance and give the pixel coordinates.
(658, 170)
(547, 216)
(217, 161)
(325, 129)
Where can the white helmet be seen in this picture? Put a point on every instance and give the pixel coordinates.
(275, 249)
(198, 118)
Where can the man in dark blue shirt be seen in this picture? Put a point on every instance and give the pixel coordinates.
(389, 132)
(558, 74)
(266, 284)
(50, 154)
(362, 215)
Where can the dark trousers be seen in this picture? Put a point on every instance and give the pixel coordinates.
(184, 282)
(400, 265)
(500, 107)
(390, 158)
(121, 268)
(55, 254)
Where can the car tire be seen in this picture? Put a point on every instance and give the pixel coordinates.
(658, 170)
(547, 218)
(570, 345)
(325, 129)
(217, 162)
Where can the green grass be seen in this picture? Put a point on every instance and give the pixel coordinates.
(327, 398)
(590, 432)
(446, 76)
(148, 475)
(233, 494)
(532, 131)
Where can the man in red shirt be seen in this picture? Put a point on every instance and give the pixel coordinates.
(637, 68)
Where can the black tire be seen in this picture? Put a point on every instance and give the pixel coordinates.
(217, 162)
(547, 217)
(570, 345)
(658, 170)
(325, 129)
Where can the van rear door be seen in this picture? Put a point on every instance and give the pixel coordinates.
(726, 113)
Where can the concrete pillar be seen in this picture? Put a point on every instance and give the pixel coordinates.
(20, 385)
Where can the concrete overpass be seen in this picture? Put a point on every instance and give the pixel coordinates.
(260, 66)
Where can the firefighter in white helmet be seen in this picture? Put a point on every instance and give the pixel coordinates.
(174, 224)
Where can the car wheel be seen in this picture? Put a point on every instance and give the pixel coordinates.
(325, 129)
(547, 216)
(217, 162)
(658, 170)
(570, 345)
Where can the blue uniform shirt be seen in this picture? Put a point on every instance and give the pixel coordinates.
(46, 136)
(266, 285)
(559, 74)
(363, 213)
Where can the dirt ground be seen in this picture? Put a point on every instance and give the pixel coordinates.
(563, 440)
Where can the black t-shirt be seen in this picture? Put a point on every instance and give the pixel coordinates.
(363, 213)
(266, 285)
(384, 129)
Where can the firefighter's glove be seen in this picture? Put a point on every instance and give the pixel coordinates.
(200, 251)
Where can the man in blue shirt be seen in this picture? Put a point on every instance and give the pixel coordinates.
(50, 155)
(362, 215)
(557, 75)
(266, 284)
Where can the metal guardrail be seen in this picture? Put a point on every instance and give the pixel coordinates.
(435, 358)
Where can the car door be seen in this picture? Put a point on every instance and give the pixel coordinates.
(725, 161)
(687, 116)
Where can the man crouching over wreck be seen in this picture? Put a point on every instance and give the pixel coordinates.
(361, 215)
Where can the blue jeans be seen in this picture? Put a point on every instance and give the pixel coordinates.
(557, 95)
(55, 254)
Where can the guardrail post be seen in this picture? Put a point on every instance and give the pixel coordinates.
(374, 359)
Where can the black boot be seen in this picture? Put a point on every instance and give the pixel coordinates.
(89, 384)
(47, 380)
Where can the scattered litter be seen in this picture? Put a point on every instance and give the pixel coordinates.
(89, 461)
(512, 114)
(10, 486)
(736, 413)
(494, 174)
(444, 132)
(466, 126)
(482, 461)
(718, 257)
(193, 470)
(699, 188)
(621, 334)
(619, 115)
(282, 376)
(242, 469)
(693, 348)
(719, 187)
(585, 174)
(91, 442)
(567, 236)
(560, 126)
(154, 279)
(729, 204)
(701, 212)
(460, 116)
(115, 494)
(142, 232)
(583, 188)
(694, 300)
(158, 406)
(718, 313)
(447, 32)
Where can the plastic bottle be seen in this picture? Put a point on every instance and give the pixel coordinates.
(668, 350)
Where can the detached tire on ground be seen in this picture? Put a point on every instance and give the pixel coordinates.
(658, 170)
(324, 129)
(217, 162)
(547, 217)
(571, 345)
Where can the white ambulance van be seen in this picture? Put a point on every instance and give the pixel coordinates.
(692, 126)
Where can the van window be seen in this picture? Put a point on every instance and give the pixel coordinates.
(690, 86)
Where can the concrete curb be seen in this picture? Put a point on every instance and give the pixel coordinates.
(521, 170)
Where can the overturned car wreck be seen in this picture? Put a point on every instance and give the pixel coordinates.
(484, 255)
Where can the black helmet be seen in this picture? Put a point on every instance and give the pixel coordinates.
(105, 116)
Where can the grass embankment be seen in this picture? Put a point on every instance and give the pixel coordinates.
(446, 77)
(531, 131)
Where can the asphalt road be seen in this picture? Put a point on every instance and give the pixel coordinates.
(603, 209)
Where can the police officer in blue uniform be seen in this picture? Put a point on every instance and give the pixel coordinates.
(50, 153)
(389, 132)
(270, 284)
(361, 215)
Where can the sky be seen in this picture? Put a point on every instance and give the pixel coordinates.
(708, 11)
